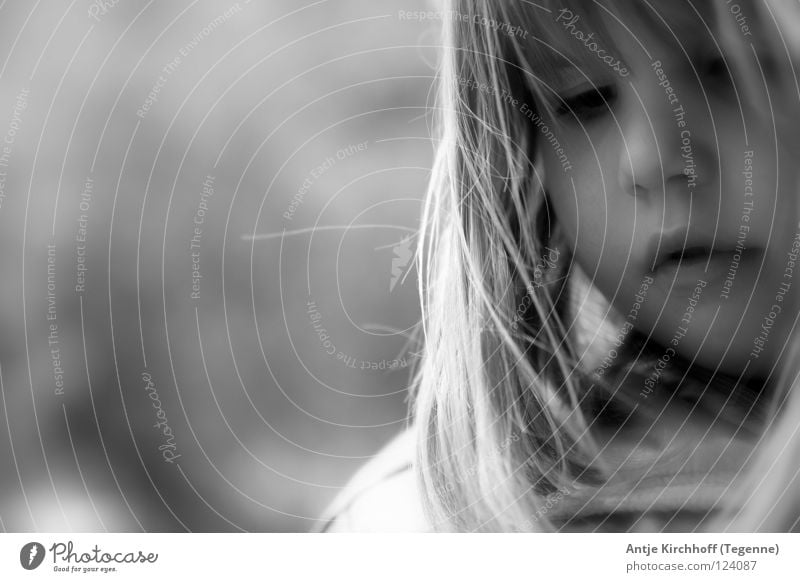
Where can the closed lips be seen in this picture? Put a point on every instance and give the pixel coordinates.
(689, 253)
(671, 248)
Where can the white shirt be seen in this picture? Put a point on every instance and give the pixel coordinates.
(382, 496)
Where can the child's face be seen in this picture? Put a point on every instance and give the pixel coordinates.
(677, 163)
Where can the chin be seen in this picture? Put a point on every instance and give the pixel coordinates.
(734, 354)
(733, 363)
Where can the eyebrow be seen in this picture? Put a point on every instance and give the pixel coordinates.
(566, 57)
(560, 75)
(572, 76)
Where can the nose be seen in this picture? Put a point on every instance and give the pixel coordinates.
(659, 153)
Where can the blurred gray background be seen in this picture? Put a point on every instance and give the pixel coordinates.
(208, 210)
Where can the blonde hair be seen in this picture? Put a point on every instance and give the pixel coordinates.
(504, 398)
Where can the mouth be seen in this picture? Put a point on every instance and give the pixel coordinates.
(693, 255)
(685, 256)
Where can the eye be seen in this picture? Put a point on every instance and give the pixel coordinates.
(717, 78)
(587, 105)
(717, 68)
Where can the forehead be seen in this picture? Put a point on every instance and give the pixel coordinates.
(598, 38)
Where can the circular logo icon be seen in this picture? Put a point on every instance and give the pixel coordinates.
(31, 555)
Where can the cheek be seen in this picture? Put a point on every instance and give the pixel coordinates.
(787, 185)
(597, 218)
(767, 181)
(767, 184)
